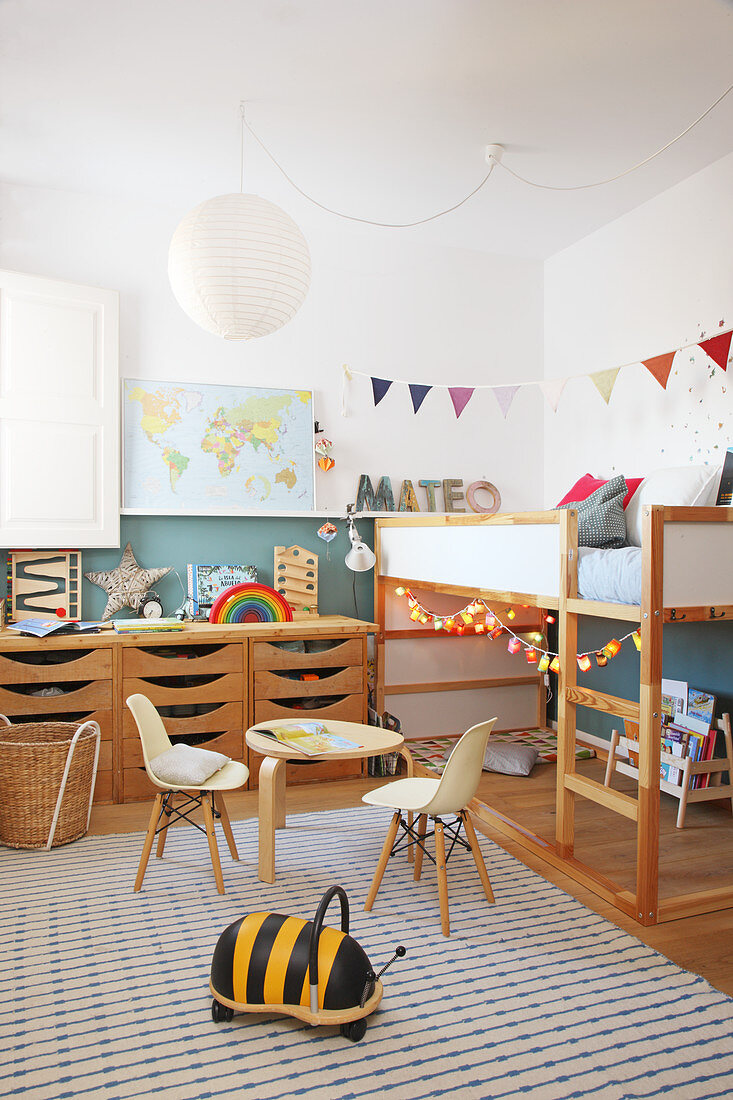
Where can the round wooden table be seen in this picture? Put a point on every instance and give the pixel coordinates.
(370, 741)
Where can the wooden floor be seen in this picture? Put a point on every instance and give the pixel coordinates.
(700, 855)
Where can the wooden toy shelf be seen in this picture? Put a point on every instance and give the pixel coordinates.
(210, 683)
(689, 768)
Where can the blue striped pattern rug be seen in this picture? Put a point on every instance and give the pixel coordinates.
(105, 992)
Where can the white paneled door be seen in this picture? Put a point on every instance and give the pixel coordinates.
(59, 414)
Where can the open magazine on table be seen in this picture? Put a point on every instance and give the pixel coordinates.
(310, 738)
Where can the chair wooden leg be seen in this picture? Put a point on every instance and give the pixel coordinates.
(225, 823)
(477, 855)
(386, 851)
(422, 825)
(211, 837)
(163, 834)
(410, 841)
(149, 838)
(442, 878)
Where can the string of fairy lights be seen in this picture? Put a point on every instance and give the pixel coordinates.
(477, 617)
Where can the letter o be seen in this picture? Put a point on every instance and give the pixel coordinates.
(489, 488)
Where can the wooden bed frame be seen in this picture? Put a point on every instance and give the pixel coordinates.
(686, 577)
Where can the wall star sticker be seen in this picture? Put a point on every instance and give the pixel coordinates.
(127, 584)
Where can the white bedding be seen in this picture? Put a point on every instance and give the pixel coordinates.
(612, 576)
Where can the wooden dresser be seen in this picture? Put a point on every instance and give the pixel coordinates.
(210, 683)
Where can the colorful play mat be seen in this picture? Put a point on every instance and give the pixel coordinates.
(431, 751)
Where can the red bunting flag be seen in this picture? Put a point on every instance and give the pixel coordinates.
(718, 348)
(660, 366)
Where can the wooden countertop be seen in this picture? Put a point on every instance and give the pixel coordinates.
(195, 633)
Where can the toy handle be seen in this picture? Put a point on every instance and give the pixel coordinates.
(316, 935)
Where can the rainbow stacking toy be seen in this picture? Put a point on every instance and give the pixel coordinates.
(250, 603)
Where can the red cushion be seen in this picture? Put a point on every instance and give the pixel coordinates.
(588, 484)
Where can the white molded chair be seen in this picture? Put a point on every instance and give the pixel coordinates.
(233, 775)
(434, 798)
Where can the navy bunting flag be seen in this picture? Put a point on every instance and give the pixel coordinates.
(379, 388)
(418, 394)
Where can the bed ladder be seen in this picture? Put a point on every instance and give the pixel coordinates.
(643, 906)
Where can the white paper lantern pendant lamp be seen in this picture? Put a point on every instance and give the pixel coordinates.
(239, 266)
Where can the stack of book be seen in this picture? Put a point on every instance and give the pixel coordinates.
(688, 730)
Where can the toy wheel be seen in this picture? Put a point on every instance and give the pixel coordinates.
(355, 1031)
(221, 1012)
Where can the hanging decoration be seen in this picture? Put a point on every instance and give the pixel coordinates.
(478, 618)
(717, 347)
(323, 448)
(327, 532)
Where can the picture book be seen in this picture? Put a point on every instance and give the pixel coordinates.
(41, 628)
(310, 738)
(207, 582)
(725, 489)
(674, 697)
(146, 626)
(701, 704)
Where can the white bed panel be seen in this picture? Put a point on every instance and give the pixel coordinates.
(520, 558)
(444, 712)
(429, 660)
(698, 560)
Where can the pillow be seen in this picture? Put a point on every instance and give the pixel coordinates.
(186, 765)
(683, 486)
(588, 484)
(601, 520)
(510, 759)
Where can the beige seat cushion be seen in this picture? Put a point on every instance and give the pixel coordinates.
(187, 766)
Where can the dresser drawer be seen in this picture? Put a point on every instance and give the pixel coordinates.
(350, 709)
(308, 773)
(328, 653)
(74, 697)
(221, 689)
(55, 665)
(274, 685)
(182, 660)
(230, 743)
(222, 717)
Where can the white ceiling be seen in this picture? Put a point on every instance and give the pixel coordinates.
(380, 108)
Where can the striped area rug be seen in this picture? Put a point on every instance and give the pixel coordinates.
(105, 992)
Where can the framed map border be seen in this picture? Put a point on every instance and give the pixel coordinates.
(309, 505)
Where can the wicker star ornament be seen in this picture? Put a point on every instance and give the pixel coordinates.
(127, 584)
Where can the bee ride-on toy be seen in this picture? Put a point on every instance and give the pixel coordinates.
(266, 962)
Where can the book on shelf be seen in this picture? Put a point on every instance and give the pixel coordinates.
(310, 738)
(725, 489)
(207, 582)
(146, 626)
(41, 628)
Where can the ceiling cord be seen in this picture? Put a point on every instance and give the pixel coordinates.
(484, 181)
(612, 179)
(350, 217)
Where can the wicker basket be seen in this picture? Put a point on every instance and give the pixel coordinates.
(33, 757)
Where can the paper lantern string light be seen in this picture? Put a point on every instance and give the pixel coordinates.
(465, 622)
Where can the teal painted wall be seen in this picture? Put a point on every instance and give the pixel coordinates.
(700, 653)
(158, 541)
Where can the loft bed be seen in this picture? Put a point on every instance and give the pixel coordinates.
(531, 559)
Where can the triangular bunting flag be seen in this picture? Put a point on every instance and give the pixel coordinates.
(604, 381)
(552, 389)
(460, 396)
(418, 394)
(660, 366)
(379, 388)
(504, 395)
(718, 348)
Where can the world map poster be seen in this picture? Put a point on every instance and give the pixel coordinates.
(200, 449)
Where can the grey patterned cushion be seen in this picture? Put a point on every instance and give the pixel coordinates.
(601, 519)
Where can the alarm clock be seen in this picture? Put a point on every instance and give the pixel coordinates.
(150, 606)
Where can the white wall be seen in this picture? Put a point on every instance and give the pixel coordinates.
(386, 302)
(656, 279)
